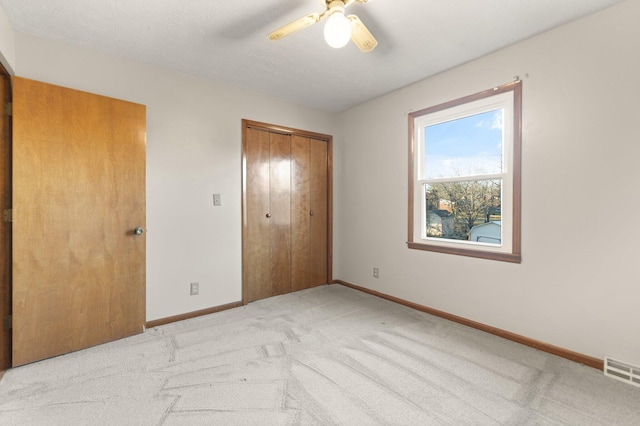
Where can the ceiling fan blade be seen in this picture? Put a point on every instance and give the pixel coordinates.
(350, 2)
(294, 26)
(360, 35)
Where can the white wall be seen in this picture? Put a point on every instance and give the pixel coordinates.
(193, 150)
(7, 42)
(578, 286)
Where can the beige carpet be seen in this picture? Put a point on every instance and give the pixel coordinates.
(325, 356)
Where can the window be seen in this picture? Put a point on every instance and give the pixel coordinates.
(464, 175)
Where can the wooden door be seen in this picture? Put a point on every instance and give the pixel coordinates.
(309, 194)
(78, 195)
(267, 240)
(286, 210)
(5, 227)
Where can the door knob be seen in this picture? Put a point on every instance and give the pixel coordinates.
(268, 215)
(311, 213)
(138, 231)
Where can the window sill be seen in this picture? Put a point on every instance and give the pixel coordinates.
(481, 254)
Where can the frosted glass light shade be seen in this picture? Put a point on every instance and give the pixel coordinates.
(337, 30)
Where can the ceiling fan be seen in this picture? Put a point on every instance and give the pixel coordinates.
(338, 29)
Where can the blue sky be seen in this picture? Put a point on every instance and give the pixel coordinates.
(466, 146)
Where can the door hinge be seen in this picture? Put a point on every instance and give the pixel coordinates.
(7, 322)
(8, 108)
(8, 215)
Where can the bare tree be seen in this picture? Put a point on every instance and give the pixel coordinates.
(469, 202)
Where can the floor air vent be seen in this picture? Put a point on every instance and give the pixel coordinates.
(622, 371)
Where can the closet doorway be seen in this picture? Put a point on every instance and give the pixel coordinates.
(286, 210)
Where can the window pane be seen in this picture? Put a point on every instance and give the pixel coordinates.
(467, 146)
(467, 210)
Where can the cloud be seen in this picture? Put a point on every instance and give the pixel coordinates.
(441, 167)
(496, 122)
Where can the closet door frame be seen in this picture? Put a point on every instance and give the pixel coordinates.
(248, 124)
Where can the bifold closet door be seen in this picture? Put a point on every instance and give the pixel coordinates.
(308, 212)
(267, 241)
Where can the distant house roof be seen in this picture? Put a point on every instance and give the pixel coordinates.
(441, 213)
(492, 223)
(489, 232)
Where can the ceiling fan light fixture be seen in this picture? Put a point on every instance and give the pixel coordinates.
(337, 29)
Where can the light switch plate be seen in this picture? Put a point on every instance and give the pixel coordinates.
(217, 201)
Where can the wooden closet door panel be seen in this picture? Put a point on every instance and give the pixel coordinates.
(318, 267)
(280, 213)
(256, 259)
(300, 208)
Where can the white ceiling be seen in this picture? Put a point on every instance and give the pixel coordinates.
(226, 41)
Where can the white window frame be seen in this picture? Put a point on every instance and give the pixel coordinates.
(508, 98)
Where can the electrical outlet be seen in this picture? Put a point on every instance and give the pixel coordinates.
(195, 289)
(376, 273)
